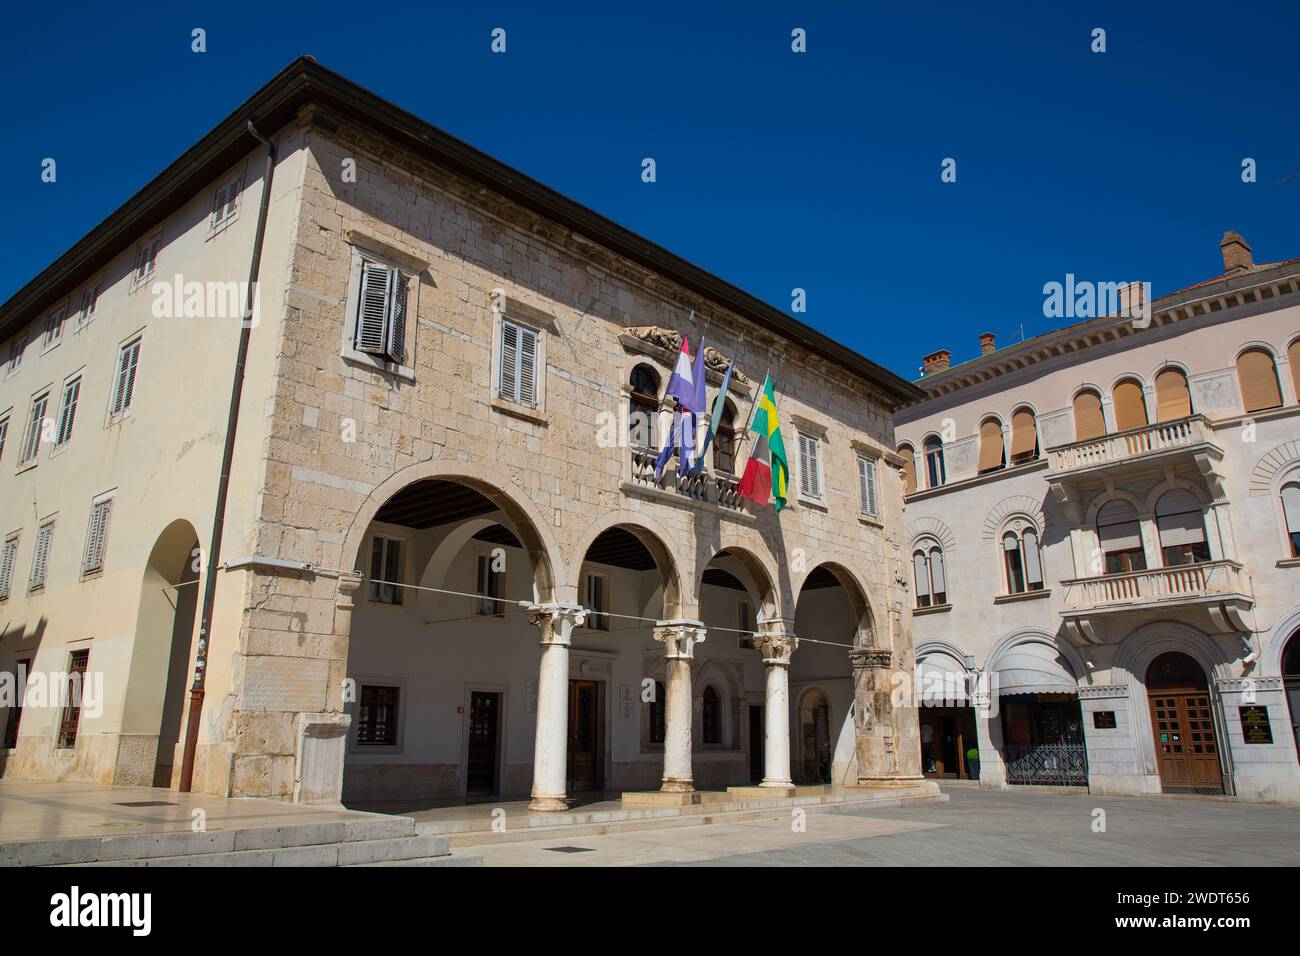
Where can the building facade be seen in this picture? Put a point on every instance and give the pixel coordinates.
(1104, 531)
(447, 570)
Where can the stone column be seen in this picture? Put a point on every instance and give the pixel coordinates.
(776, 648)
(988, 733)
(679, 638)
(888, 742)
(550, 748)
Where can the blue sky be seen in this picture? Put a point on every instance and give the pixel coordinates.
(775, 170)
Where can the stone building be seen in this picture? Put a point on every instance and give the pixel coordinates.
(1104, 530)
(446, 568)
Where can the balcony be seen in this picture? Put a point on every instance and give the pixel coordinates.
(1218, 589)
(1184, 437)
(708, 488)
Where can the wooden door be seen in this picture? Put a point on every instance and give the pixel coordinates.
(586, 742)
(756, 743)
(484, 724)
(1187, 752)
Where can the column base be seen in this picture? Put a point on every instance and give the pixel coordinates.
(548, 804)
(893, 780)
(777, 784)
(677, 786)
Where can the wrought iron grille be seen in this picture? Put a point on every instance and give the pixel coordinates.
(1061, 765)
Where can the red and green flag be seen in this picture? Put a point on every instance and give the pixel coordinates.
(767, 471)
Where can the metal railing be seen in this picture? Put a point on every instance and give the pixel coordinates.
(1157, 585)
(718, 488)
(1128, 445)
(1057, 765)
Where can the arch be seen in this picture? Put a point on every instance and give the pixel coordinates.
(1025, 506)
(1278, 461)
(1041, 643)
(551, 580)
(1089, 422)
(719, 675)
(760, 569)
(856, 593)
(941, 673)
(815, 723)
(1257, 378)
(1293, 360)
(654, 538)
(993, 453)
(929, 526)
(1286, 629)
(1129, 400)
(1173, 394)
(906, 452)
(1024, 435)
(1118, 494)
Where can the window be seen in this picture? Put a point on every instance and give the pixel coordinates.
(385, 570)
(4, 433)
(15, 355)
(1088, 420)
(67, 412)
(1293, 360)
(745, 623)
(517, 364)
(1023, 561)
(992, 454)
(225, 202)
(724, 446)
(909, 468)
(934, 469)
(78, 662)
(380, 320)
(32, 442)
(643, 407)
(1258, 377)
(1024, 436)
(146, 261)
(1181, 525)
(712, 716)
(128, 360)
(1130, 405)
(97, 535)
(7, 561)
(658, 719)
(1290, 512)
(1119, 534)
(489, 585)
(54, 326)
(41, 557)
(89, 303)
(597, 602)
(931, 587)
(868, 499)
(377, 715)
(1173, 397)
(22, 668)
(810, 479)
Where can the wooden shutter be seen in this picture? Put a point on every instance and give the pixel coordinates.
(1291, 507)
(96, 535)
(68, 413)
(40, 560)
(1130, 406)
(527, 367)
(1173, 397)
(372, 308)
(219, 205)
(991, 452)
(7, 566)
(508, 371)
(909, 469)
(1088, 420)
(922, 573)
(1293, 359)
(33, 442)
(809, 479)
(4, 433)
(1258, 377)
(937, 578)
(867, 485)
(1033, 558)
(1024, 436)
(395, 343)
(124, 389)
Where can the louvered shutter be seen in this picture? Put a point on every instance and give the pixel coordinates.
(1179, 519)
(4, 433)
(1118, 527)
(395, 339)
(867, 485)
(41, 559)
(7, 566)
(508, 376)
(527, 367)
(124, 391)
(68, 414)
(97, 535)
(372, 308)
(219, 205)
(33, 442)
(1291, 507)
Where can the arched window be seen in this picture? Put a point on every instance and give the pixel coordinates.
(934, 461)
(1023, 560)
(658, 723)
(1024, 436)
(1120, 535)
(1130, 405)
(712, 716)
(1258, 378)
(643, 407)
(906, 453)
(1173, 397)
(1293, 359)
(1291, 513)
(1181, 524)
(931, 587)
(992, 454)
(1088, 420)
(724, 446)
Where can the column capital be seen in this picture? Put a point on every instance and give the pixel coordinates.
(556, 620)
(776, 647)
(347, 590)
(679, 637)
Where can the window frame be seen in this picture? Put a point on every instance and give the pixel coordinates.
(67, 411)
(86, 313)
(16, 349)
(374, 590)
(926, 549)
(97, 535)
(934, 452)
(869, 485)
(5, 419)
(231, 185)
(118, 412)
(1016, 571)
(483, 597)
(55, 320)
(70, 714)
(597, 619)
(394, 744)
(382, 360)
(30, 454)
(810, 453)
(8, 562)
(148, 251)
(39, 560)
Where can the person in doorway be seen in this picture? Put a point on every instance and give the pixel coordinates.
(927, 748)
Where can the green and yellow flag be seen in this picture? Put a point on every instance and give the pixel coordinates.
(767, 467)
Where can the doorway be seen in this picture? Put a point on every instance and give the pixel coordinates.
(586, 769)
(481, 772)
(757, 743)
(947, 733)
(815, 738)
(1182, 721)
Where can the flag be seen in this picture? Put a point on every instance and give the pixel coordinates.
(767, 467)
(715, 419)
(687, 385)
(681, 439)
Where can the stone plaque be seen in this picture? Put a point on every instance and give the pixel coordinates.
(1103, 719)
(1255, 728)
(285, 683)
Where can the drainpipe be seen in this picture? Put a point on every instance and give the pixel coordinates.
(212, 563)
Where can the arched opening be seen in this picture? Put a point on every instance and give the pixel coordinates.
(1293, 360)
(162, 655)
(1022, 559)
(993, 455)
(1041, 719)
(724, 445)
(928, 576)
(1180, 522)
(1024, 436)
(934, 466)
(1291, 682)
(1130, 405)
(908, 454)
(1257, 376)
(949, 744)
(1291, 513)
(814, 731)
(1182, 720)
(1089, 422)
(1173, 396)
(1119, 535)
(643, 407)
(441, 654)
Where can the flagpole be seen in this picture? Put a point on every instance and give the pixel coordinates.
(744, 434)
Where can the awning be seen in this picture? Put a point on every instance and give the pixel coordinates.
(1034, 668)
(940, 677)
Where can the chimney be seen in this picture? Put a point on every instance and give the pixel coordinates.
(988, 343)
(1236, 253)
(939, 361)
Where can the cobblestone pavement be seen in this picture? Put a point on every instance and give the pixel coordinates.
(974, 828)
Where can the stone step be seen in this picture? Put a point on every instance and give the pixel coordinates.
(454, 861)
(143, 846)
(348, 853)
